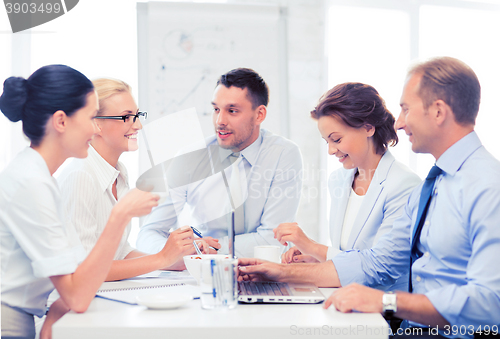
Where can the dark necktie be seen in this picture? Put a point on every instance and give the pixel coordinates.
(423, 207)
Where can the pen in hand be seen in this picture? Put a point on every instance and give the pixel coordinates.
(198, 233)
(195, 231)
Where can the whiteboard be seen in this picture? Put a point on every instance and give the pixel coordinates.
(185, 47)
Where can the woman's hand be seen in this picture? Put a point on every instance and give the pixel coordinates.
(56, 311)
(305, 249)
(294, 255)
(291, 232)
(179, 244)
(137, 203)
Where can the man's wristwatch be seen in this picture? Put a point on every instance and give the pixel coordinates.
(389, 305)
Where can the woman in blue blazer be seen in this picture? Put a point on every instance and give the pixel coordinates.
(371, 189)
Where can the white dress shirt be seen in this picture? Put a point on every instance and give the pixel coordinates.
(273, 172)
(86, 190)
(34, 242)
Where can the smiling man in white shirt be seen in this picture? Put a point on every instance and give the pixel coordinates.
(269, 168)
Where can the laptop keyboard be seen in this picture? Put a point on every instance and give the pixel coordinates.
(262, 288)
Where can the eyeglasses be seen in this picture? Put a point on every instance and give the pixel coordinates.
(125, 118)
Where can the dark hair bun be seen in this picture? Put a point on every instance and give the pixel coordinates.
(15, 95)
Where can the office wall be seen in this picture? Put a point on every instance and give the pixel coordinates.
(99, 38)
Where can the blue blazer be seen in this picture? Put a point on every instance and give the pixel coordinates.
(383, 203)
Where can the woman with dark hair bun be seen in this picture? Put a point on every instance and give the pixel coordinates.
(371, 189)
(57, 106)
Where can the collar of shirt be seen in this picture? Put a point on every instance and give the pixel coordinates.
(453, 158)
(250, 153)
(105, 173)
(38, 161)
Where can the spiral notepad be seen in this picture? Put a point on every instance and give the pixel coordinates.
(128, 290)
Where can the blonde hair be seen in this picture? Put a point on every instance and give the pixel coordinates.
(107, 87)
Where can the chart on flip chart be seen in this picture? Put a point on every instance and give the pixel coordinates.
(185, 47)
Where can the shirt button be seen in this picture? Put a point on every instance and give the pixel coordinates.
(426, 223)
(418, 278)
(426, 254)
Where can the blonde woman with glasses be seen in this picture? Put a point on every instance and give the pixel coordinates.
(91, 187)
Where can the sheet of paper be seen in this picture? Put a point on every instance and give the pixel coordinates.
(165, 274)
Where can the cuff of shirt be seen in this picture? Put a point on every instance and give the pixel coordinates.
(346, 265)
(65, 263)
(449, 301)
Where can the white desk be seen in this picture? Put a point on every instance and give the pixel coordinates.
(109, 319)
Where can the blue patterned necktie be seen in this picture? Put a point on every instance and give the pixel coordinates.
(423, 207)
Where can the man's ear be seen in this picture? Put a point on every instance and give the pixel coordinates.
(261, 114)
(441, 111)
(59, 121)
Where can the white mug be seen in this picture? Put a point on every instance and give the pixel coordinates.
(269, 253)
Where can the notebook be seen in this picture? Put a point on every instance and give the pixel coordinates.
(127, 291)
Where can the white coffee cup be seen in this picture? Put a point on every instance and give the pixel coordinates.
(269, 253)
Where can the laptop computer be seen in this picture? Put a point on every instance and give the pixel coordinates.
(278, 293)
(273, 292)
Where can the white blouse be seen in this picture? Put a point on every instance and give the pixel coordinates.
(86, 191)
(353, 206)
(34, 242)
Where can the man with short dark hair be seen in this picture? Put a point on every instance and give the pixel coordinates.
(449, 234)
(268, 168)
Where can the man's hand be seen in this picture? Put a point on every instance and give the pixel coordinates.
(356, 297)
(251, 269)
